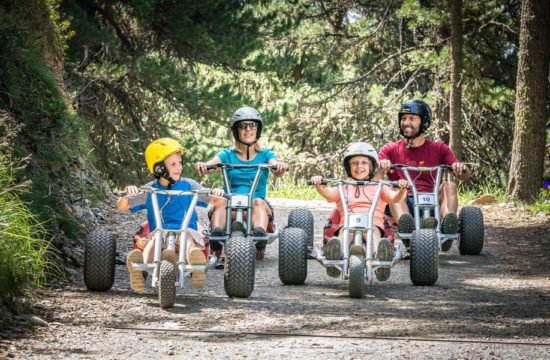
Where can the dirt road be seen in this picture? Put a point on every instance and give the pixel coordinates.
(493, 306)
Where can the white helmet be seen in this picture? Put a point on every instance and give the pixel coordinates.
(246, 113)
(360, 149)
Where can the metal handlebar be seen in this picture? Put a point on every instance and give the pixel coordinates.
(355, 182)
(421, 168)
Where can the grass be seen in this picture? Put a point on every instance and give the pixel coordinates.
(27, 261)
(466, 195)
(286, 188)
(540, 204)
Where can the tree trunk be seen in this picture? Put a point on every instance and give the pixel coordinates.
(46, 39)
(455, 101)
(527, 164)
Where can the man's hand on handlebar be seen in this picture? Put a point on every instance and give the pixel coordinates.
(459, 169)
(403, 184)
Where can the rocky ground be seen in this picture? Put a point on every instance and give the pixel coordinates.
(492, 306)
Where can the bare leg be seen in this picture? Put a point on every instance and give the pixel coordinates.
(196, 256)
(399, 209)
(219, 214)
(260, 213)
(449, 198)
(149, 251)
(376, 237)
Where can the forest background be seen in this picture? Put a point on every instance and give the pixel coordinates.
(86, 85)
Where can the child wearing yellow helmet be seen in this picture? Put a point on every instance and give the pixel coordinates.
(164, 160)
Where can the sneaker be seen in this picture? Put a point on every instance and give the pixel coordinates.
(406, 224)
(447, 245)
(217, 231)
(449, 224)
(196, 257)
(429, 223)
(333, 251)
(237, 227)
(220, 263)
(260, 245)
(384, 253)
(170, 255)
(137, 282)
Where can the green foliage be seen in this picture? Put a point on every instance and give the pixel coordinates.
(540, 204)
(27, 260)
(466, 195)
(30, 92)
(285, 187)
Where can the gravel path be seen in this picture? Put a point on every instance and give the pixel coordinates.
(493, 306)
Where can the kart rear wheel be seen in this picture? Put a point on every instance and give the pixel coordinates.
(356, 276)
(167, 284)
(240, 267)
(99, 261)
(303, 219)
(293, 256)
(424, 261)
(471, 230)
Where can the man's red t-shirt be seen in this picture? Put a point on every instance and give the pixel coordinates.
(431, 153)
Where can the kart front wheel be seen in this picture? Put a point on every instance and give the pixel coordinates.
(240, 267)
(167, 284)
(356, 276)
(424, 261)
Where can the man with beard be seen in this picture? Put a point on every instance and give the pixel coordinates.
(415, 150)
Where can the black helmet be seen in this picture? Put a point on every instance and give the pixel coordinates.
(246, 113)
(416, 107)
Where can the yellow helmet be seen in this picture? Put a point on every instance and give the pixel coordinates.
(159, 150)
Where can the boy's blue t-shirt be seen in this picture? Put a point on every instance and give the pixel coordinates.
(241, 179)
(173, 208)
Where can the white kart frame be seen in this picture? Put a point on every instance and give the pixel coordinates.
(239, 203)
(426, 202)
(357, 224)
(168, 238)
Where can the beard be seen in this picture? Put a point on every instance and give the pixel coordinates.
(412, 132)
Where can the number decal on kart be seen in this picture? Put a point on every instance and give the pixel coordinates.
(426, 199)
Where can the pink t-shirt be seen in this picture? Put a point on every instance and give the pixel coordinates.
(431, 153)
(360, 200)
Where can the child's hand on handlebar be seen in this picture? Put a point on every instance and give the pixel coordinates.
(218, 192)
(131, 190)
(316, 180)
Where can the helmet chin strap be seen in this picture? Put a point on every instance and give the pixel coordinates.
(410, 139)
(247, 147)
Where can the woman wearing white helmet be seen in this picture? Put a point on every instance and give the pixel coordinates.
(360, 162)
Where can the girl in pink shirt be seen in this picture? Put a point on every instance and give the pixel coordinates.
(360, 163)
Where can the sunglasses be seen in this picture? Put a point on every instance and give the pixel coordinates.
(247, 125)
